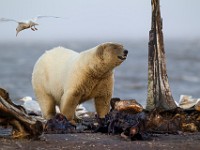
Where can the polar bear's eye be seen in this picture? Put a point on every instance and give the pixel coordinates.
(116, 47)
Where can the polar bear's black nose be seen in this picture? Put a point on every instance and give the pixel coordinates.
(125, 52)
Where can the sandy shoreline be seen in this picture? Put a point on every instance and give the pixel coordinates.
(99, 141)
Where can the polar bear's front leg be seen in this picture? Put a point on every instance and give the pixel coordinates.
(102, 105)
(68, 104)
(46, 102)
(103, 96)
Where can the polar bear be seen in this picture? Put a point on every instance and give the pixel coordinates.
(67, 78)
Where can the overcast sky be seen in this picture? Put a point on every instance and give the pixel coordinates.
(99, 19)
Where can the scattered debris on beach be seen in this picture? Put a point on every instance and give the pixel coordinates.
(126, 118)
(144, 123)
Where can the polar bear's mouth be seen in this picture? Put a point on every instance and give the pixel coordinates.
(122, 57)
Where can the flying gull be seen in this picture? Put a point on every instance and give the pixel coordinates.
(26, 24)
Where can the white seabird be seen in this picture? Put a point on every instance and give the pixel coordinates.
(81, 111)
(31, 105)
(26, 24)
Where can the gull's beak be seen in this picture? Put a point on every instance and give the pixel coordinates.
(34, 24)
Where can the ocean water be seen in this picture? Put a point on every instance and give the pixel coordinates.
(183, 67)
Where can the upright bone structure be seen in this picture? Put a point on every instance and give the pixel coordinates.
(159, 94)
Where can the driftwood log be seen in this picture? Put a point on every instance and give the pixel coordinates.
(15, 116)
(159, 93)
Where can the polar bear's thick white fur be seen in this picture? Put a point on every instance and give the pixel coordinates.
(67, 78)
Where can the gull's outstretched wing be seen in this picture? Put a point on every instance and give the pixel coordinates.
(6, 20)
(40, 17)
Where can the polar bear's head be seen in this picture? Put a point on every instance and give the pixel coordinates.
(112, 53)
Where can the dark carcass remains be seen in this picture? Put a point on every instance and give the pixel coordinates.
(129, 119)
(126, 118)
(59, 125)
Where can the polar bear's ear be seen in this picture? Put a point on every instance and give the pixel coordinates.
(99, 51)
